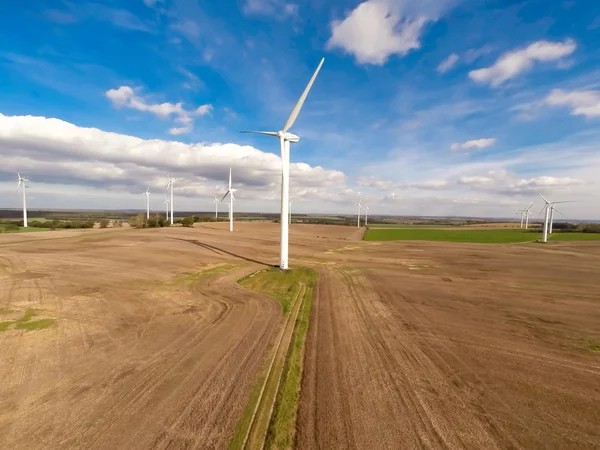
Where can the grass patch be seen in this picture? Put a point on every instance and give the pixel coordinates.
(5, 325)
(557, 236)
(462, 235)
(10, 229)
(35, 324)
(284, 286)
(7, 311)
(594, 348)
(282, 429)
(27, 316)
(280, 284)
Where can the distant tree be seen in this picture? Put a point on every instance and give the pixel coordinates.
(188, 221)
(104, 223)
(152, 222)
(138, 221)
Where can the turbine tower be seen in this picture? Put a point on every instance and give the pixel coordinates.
(216, 202)
(366, 216)
(166, 203)
(231, 200)
(285, 138)
(21, 183)
(549, 207)
(147, 202)
(527, 213)
(359, 205)
(170, 185)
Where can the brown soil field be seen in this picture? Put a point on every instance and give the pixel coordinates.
(411, 344)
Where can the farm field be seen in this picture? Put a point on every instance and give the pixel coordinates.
(467, 234)
(154, 344)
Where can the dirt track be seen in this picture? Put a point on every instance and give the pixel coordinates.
(411, 345)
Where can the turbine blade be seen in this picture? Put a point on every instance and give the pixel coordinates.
(268, 133)
(544, 198)
(559, 212)
(543, 209)
(225, 195)
(566, 201)
(230, 178)
(298, 106)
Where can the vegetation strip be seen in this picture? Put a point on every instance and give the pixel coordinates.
(274, 407)
(473, 236)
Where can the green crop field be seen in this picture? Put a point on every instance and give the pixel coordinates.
(473, 236)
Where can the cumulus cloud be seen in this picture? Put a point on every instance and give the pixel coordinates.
(378, 183)
(448, 63)
(431, 184)
(273, 8)
(126, 96)
(58, 152)
(581, 103)
(377, 29)
(514, 63)
(477, 144)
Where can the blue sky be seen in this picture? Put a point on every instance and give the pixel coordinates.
(425, 108)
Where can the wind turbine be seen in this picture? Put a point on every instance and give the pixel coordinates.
(21, 183)
(359, 205)
(170, 185)
(147, 202)
(166, 203)
(522, 212)
(285, 138)
(231, 200)
(527, 213)
(216, 202)
(366, 215)
(549, 207)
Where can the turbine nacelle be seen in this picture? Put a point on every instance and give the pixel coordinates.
(291, 137)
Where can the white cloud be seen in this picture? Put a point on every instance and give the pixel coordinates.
(57, 152)
(476, 144)
(513, 63)
(126, 96)
(546, 181)
(378, 29)
(273, 8)
(582, 103)
(431, 184)
(378, 183)
(448, 63)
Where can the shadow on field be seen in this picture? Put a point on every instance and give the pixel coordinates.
(218, 250)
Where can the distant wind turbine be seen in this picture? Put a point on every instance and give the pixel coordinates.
(366, 215)
(216, 202)
(549, 207)
(527, 213)
(21, 184)
(147, 202)
(166, 203)
(231, 200)
(359, 205)
(285, 138)
(170, 185)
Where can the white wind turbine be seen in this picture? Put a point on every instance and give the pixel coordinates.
(147, 202)
(285, 138)
(360, 206)
(166, 203)
(216, 202)
(170, 185)
(527, 213)
(21, 183)
(522, 212)
(366, 215)
(549, 207)
(231, 200)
